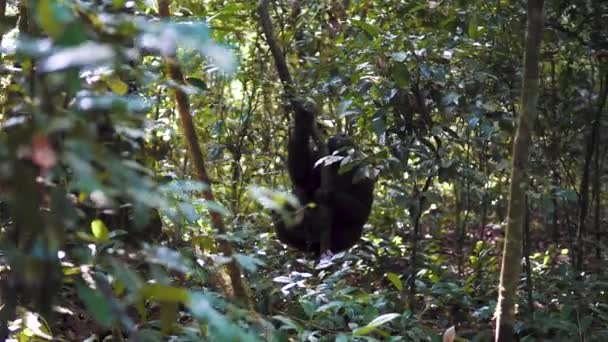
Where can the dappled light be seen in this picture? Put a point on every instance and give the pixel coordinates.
(340, 170)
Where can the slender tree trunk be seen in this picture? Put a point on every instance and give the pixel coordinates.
(512, 252)
(584, 188)
(196, 154)
(463, 228)
(598, 201)
(597, 190)
(529, 285)
(555, 216)
(416, 211)
(483, 216)
(458, 195)
(414, 258)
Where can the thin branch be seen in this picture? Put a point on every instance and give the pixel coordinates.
(183, 108)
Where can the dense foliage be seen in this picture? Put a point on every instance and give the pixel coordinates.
(111, 228)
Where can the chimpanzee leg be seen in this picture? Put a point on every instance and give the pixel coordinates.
(304, 235)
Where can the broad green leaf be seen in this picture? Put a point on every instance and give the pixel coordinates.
(86, 237)
(401, 74)
(118, 4)
(379, 125)
(341, 338)
(197, 82)
(100, 231)
(288, 323)
(271, 199)
(167, 257)
(96, 304)
(473, 29)
(220, 326)
(85, 54)
(369, 28)
(216, 207)
(248, 262)
(450, 98)
(117, 85)
(52, 16)
(330, 306)
(168, 316)
(36, 326)
(399, 56)
(395, 280)
(147, 335)
(206, 243)
(373, 325)
(165, 293)
(548, 204)
(569, 195)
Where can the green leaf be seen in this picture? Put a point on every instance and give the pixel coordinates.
(373, 325)
(167, 257)
(450, 98)
(473, 29)
(100, 231)
(197, 83)
(341, 338)
(288, 323)
(117, 85)
(370, 29)
(395, 280)
(401, 75)
(216, 207)
(569, 195)
(220, 326)
(148, 335)
(331, 306)
(96, 304)
(52, 16)
(273, 200)
(118, 4)
(168, 316)
(78, 56)
(165, 293)
(36, 326)
(248, 262)
(379, 124)
(399, 56)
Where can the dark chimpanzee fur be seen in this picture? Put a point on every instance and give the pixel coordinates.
(349, 203)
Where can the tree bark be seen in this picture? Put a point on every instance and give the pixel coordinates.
(183, 109)
(512, 250)
(416, 212)
(527, 248)
(584, 187)
(599, 163)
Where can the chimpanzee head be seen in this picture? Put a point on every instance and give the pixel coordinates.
(339, 142)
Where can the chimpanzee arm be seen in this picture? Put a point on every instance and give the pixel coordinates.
(300, 159)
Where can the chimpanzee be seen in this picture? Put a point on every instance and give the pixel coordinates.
(349, 203)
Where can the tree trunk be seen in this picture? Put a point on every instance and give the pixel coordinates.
(555, 213)
(597, 190)
(529, 284)
(183, 109)
(416, 211)
(512, 253)
(584, 188)
(598, 201)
